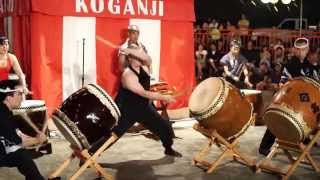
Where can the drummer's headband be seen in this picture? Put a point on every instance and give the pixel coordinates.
(3, 40)
(301, 43)
(8, 90)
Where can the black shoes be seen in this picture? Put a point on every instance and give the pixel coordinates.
(172, 152)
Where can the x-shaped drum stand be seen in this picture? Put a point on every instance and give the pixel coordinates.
(89, 160)
(228, 148)
(289, 147)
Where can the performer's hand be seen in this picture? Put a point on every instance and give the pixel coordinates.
(41, 138)
(169, 99)
(235, 78)
(26, 90)
(124, 51)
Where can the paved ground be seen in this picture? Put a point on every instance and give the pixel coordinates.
(135, 157)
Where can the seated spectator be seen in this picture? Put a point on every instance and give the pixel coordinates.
(278, 56)
(213, 64)
(201, 55)
(243, 23)
(250, 53)
(265, 56)
(259, 74)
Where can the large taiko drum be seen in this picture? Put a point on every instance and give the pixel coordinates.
(294, 112)
(33, 111)
(260, 101)
(86, 116)
(220, 106)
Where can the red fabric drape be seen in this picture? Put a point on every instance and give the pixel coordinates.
(21, 43)
(2, 27)
(46, 33)
(177, 64)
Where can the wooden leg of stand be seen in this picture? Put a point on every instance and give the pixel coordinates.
(109, 142)
(59, 170)
(262, 163)
(288, 154)
(226, 147)
(216, 162)
(205, 150)
(312, 162)
(302, 155)
(232, 148)
(97, 166)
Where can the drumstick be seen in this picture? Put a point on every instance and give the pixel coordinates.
(45, 125)
(106, 42)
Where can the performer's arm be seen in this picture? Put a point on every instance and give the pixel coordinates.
(131, 82)
(17, 69)
(140, 54)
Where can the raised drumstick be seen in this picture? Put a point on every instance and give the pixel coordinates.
(106, 42)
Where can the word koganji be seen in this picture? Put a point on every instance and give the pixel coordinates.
(127, 7)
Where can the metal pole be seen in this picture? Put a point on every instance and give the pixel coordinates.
(83, 44)
(301, 14)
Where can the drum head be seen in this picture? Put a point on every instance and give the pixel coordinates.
(204, 94)
(32, 103)
(28, 106)
(284, 128)
(70, 131)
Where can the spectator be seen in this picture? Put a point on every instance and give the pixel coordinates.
(243, 23)
(278, 56)
(265, 56)
(250, 53)
(213, 64)
(201, 55)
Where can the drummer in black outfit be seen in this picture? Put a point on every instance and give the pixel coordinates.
(12, 141)
(134, 98)
(297, 66)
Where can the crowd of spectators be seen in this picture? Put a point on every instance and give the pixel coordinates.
(265, 60)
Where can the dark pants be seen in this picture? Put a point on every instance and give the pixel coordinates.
(149, 118)
(23, 161)
(267, 140)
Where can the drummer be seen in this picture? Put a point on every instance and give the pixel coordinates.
(234, 64)
(12, 141)
(9, 61)
(134, 98)
(297, 66)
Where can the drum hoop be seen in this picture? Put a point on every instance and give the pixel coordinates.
(105, 99)
(293, 117)
(246, 126)
(216, 104)
(29, 109)
(309, 80)
(75, 132)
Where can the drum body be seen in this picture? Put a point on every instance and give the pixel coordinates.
(86, 116)
(260, 101)
(294, 110)
(35, 110)
(218, 105)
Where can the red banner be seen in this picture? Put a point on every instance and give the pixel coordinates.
(173, 10)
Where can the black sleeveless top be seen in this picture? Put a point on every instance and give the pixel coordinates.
(126, 97)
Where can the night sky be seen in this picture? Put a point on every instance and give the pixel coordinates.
(260, 15)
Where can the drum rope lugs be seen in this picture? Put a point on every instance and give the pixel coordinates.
(94, 89)
(300, 124)
(73, 127)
